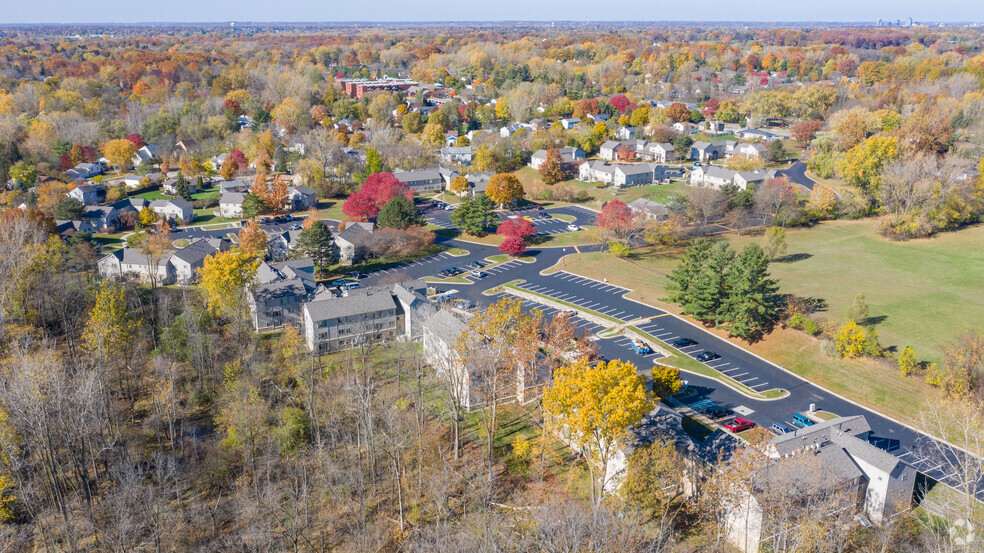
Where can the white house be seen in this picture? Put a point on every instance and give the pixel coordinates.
(568, 156)
(301, 197)
(175, 209)
(231, 204)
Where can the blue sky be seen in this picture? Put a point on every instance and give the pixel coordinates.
(126, 11)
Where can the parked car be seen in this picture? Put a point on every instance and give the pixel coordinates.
(479, 274)
(351, 285)
(739, 425)
(448, 207)
(715, 413)
(477, 264)
(454, 271)
(360, 274)
(288, 217)
(339, 282)
(538, 207)
(573, 228)
(707, 356)
(779, 429)
(444, 273)
(802, 421)
(683, 342)
(546, 215)
(295, 226)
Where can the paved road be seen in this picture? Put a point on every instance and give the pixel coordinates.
(544, 225)
(797, 173)
(752, 371)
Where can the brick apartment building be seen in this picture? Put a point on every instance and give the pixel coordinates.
(357, 88)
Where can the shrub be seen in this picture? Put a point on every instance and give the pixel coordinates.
(811, 327)
(599, 184)
(205, 203)
(829, 348)
(796, 321)
(582, 196)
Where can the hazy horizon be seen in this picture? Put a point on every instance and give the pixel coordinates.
(390, 11)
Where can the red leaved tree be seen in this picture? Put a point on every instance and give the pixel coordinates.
(617, 221)
(619, 102)
(513, 245)
(137, 140)
(520, 228)
(378, 189)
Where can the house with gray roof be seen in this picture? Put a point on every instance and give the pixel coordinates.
(85, 170)
(301, 197)
(456, 154)
(712, 176)
(131, 263)
(837, 456)
(231, 204)
(102, 217)
(280, 245)
(421, 180)
(175, 209)
(377, 314)
(569, 156)
(350, 244)
(649, 209)
(88, 194)
(188, 260)
(279, 292)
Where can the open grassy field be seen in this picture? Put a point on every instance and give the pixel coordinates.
(921, 292)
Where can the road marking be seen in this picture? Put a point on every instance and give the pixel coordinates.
(578, 250)
(657, 316)
(738, 375)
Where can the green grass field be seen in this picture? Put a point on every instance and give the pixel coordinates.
(922, 293)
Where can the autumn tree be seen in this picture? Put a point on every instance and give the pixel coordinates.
(862, 165)
(504, 188)
(513, 245)
(229, 167)
(665, 380)
(552, 169)
(110, 329)
(225, 278)
(378, 189)
(459, 185)
(617, 222)
(806, 131)
(277, 194)
(252, 238)
(678, 112)
(120, 152)
(593, 407)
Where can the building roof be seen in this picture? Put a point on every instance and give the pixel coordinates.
(357, 302)
(234, 198)
(447, 324)
(196, 252)
(417, 175)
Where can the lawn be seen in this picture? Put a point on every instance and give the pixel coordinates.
(208, 216)
(922, 292)
(109, 242)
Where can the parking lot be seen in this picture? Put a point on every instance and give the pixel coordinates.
(586, 293)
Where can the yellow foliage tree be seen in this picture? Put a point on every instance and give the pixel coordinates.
(504, 188)
(119, 152)
(594, 407)
(459, 185)
(225, 278)
(109, 329)
(666, 380)
(850, 339)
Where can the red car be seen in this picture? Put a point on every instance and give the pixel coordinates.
(739, 425)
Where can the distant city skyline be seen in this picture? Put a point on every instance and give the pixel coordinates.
(384, 11)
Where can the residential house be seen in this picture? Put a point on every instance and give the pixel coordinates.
(660, 152)
(231, 204)
(456, 154)
(168, 186)
(85, 170)
(132, 181)
(232, 186)
(280, 245)
(89, 194)
(421, 180)
(102, 217)
(186, 261)
(608, 148)
(626, 133)
(835, 460)
(757, 134)
(756, 151)
(707, 151)
(649, 209)
(367, 315)
(685, 128)
(621, 175)
(351, 243)
(747, 180)
(280, 291)
(599, 117)
(151, 153)
(218, 160)
(569, 156)
(301, 197)
(127, 263)
(570, 123)
(186, 146)
(66, 228)
(175, 209)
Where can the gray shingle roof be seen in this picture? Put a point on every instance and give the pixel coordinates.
(358, 302)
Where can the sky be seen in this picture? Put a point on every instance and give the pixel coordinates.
(127, 11)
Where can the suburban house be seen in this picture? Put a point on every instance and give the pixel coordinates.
(280, 245)
(421, 180)
(708, 151)
(660, 152)
(749, 179)
(509, 130)
(834, 460)
(685, 128)
(175, 209)
(757, 134)
(279, 292)
(568, 155)
(456, 154)
(132, 181)
(569, 123)
(301, 197)
(749, 150)
(186, 146)
(102, 217)
(180, 266)
(350, 244)
(89, 194)
(626, 133)
(85, 170)
(368, 315)
(440, 333)
(649, 209)
(621, 175)
(231, 204)
(712, 176)
(168, 186)
(148, 152)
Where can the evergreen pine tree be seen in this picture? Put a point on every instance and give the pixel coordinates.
(708, 290)
(682, 277)
(750, 302)
(474, 215)
(317, 243)
(399, 213)
(181, 187)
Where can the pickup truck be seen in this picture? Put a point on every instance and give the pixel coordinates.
(641, 347)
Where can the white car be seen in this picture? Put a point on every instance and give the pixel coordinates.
(572, 227)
